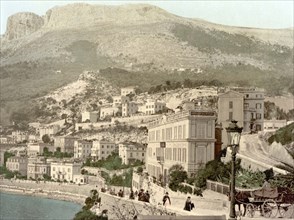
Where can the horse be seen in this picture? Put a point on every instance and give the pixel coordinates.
(241, 198)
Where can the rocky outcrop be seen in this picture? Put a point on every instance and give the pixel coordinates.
(22, 24)
(82, 15)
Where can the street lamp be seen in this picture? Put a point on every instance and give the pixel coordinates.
(234, 135)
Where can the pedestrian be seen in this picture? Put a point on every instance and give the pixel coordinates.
(165, 198)
(189, 205)
(120, 193)
(132, 196)
(140, 195)
(147, 196)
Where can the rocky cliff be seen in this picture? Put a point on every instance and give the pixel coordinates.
(22, 24)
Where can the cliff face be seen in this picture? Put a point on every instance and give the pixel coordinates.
(82, 15)
(22, 24)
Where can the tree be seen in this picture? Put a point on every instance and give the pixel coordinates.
(177, 175)
(46, 138)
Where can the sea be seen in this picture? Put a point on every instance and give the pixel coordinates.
(22, 207)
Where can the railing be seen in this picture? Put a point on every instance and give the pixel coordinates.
(217, 187)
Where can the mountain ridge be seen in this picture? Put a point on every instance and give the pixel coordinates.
(138, 38)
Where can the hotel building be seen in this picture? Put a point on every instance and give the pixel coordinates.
(186, 138)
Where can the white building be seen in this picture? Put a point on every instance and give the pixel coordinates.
(128, 90)
(65, 171)
(82, 148)
(37, 168)
(19, 136)
(274, 124)
(119, 100)
(152, 107)
(186, 138)
(108, 111)
(130, 152)
(36, 149)
(50, 130)
(90, 116)
(102, 149)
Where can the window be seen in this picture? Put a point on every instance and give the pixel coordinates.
(68, 170)
(180, 132)
(102, 152)
(53, 168)
(102, 146)
(201, 130)
(230, 116)
(131, 154)
(174, 154)
(230, 104)
(179, 154)
(143, 154)
(176, 133)
(258, 105)
(258, 116)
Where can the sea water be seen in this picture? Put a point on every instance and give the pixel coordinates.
(22, 207)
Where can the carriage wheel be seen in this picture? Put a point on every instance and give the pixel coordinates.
(283, 210)
(269, 208)
(250, 210)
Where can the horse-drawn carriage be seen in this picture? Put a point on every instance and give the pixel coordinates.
(269, 201)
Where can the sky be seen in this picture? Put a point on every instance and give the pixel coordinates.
(248, 13)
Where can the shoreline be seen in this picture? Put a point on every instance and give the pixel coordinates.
(55, 195)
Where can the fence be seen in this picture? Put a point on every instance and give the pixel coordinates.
(217, 187)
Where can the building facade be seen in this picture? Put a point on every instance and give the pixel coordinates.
(186, 138)
(130, 152)
(152, 107)
(101, 149)
(127, 90)
(129, 108)
(90, 116)
(65, 170)
(37, 149)
(19, 136)
(18, 164)
(244, 105)
(65, 143)
(108, 111)
(38, 168)
(82, 149)
(50, 130)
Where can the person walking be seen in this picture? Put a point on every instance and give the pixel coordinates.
(165, 198)
(189, 205)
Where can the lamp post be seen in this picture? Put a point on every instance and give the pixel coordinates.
(234, 135)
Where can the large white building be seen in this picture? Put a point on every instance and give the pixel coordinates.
(130, 152)
(186, 138)
(65, 170)
(82, 149)
(101, 149)
(152, 107)
(37, 168)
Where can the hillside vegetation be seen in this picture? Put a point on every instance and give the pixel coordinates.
(144, 45)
